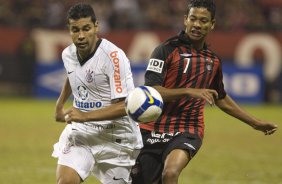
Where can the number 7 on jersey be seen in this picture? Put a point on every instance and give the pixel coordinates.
(187, 64)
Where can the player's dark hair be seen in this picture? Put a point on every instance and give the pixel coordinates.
(81, 10)
(208, 4)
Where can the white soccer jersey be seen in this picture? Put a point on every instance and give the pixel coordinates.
(104, 77)
(106, 149)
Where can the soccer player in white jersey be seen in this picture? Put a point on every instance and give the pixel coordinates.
(99, 138)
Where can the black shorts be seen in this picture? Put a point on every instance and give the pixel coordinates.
(157, 146)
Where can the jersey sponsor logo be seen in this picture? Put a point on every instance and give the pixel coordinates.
(87, 105)
(157, 140)
(101, 127)
(115, 60)
(89, 77)
(82, 92)
(160, 137)
(156, 65)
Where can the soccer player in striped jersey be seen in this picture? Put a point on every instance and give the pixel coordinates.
(187, 74)
(99, 138)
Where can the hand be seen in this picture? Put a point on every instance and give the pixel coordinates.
(266, 127)
(74, 114)
(206, 94)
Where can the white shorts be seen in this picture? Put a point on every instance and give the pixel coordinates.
(97, 151)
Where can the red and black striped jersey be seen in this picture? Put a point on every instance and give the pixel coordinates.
(175, 64)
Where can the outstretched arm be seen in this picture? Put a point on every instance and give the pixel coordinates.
(65, 94)
(117, 109)
(232, 108)
(173, 94)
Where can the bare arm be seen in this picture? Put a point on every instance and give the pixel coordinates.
(169, 95)
(117, 110)
(113, 111)
(232, 108)
(65, 94)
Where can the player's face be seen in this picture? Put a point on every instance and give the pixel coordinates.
(198, 24)
(84, 34)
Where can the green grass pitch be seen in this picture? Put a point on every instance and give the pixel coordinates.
(232, 153)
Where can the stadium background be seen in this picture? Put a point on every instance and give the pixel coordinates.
(248, 38)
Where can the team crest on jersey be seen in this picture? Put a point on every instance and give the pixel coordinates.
(82, 92)
(89, 77)
(209, 64)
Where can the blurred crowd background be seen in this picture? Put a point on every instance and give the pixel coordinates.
(142, 14)
(19, 18)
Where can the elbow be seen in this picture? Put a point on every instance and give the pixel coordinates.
(224, 107)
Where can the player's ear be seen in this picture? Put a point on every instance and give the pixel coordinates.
(185, 20)
(213, 24)
(96, 25)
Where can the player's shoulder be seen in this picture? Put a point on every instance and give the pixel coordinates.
(212, 54)
(173, 40)
(164, 49)
(69, 52)
(169, 45)
(109, 51)
(108, 47)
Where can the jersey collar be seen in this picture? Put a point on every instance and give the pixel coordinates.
(184, 39)
(83, 61)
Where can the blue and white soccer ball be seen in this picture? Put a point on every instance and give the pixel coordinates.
(144, 104)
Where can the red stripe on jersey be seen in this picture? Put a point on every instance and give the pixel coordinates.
(200, 74)
(173, 63)
(187, 114)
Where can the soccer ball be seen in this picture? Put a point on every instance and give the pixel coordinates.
(144, 104)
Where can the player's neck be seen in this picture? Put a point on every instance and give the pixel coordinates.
(198, 46)
(83, 57)
(85, 54)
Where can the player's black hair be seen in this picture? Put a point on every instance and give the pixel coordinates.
(81, 10)
(208, 4)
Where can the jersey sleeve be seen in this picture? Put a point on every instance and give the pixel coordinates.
(156, 68)
(64, 56)
(120, 75)
(217, 83)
